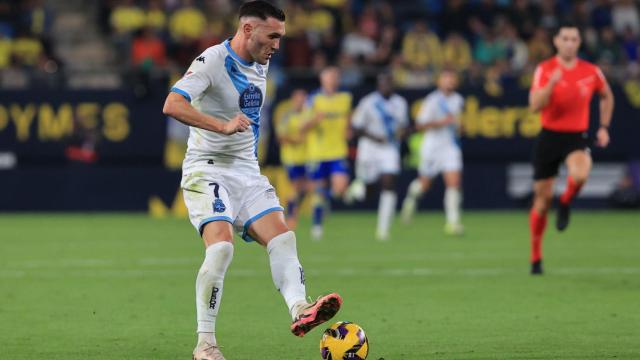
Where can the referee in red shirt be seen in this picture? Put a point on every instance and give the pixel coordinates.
(562, 89)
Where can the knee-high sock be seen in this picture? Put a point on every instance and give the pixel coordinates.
(415, 189)
(318, 207)
(386, 210)
(537, 223)
(209, 288)
(286, 271)
(573, 188)
(452, 200)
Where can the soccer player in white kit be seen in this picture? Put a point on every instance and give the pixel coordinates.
(439, 117)
(379, 120)
(220, 98)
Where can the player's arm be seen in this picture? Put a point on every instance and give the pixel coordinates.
(358, 121)
(606, 111)
(541, 91)
(180, 109)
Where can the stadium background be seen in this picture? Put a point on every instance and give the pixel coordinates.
(83, 84)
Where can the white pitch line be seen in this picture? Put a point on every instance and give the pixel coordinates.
(342, 272)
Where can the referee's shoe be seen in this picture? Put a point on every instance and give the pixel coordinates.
(562, 216)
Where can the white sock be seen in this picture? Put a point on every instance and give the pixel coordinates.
(209, 288)
(286, 270)
(415, 189)
(386, 210)
(452, 200)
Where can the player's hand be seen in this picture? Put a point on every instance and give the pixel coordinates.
(240, 123)
(448, 120)
(555, 76)
(602, 137)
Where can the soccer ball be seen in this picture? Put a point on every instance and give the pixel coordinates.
(344, 340)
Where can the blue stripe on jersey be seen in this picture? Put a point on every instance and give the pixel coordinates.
(241, 83)
(387, 119)
(181, 92)
(227, 45)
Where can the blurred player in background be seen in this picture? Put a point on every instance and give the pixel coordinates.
(327, 147)
(439, 118)
(293, 151)
(562, 89)
(379, 121)
(220, 98)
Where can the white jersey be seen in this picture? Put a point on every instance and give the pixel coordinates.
(221, 84)
(435, 107)
(381, 117)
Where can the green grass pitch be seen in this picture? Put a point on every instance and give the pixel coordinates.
(122, 287)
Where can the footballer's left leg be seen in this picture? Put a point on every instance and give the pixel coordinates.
(386, 206)
(452, 202)
(578, 165)
(288, 276)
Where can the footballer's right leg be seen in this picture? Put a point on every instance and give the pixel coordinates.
(288, 275)
(417, 188)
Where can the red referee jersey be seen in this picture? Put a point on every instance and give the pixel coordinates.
(568, 107)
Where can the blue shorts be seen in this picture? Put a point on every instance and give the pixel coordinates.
(325, 169)
(296, 172)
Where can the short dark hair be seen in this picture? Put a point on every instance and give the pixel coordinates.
(261, 9)
(566, 24)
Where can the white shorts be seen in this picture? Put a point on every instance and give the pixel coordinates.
(436, 161)
(374, 160)
(225, 195)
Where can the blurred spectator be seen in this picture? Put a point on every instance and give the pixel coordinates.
(455, 17)
(517, 52)
(148, 51)
(5, 51)
(549, 14)
(387, 46)
(609, 50)
(456, 53)
(421, 48)
(625, 15)
(156, 18)
(525, 15)
(601, 14)
(297, 49)
(187, 23)
(631, 45)
(539, 46)
(27, 49)
(359, 44)
(489, 48)
(127, 17)
(350, 73)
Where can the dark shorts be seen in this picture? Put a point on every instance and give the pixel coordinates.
(325, 169)
(552, 148)
(296, 172)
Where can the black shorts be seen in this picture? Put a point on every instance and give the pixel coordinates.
(552, 148)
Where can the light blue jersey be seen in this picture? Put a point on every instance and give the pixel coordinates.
(221, 84)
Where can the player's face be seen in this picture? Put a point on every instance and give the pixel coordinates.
(298, 99)
(265, 38)
(330, 79)
(447, 81)
(385, 85)
(567, 42)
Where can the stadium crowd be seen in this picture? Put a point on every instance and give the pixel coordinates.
(26, 51)
(492, 38)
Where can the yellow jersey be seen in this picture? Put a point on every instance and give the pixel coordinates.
(328, 139)
(289, 125)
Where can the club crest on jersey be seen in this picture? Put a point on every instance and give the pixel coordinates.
(218, 206)
(250, 100)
